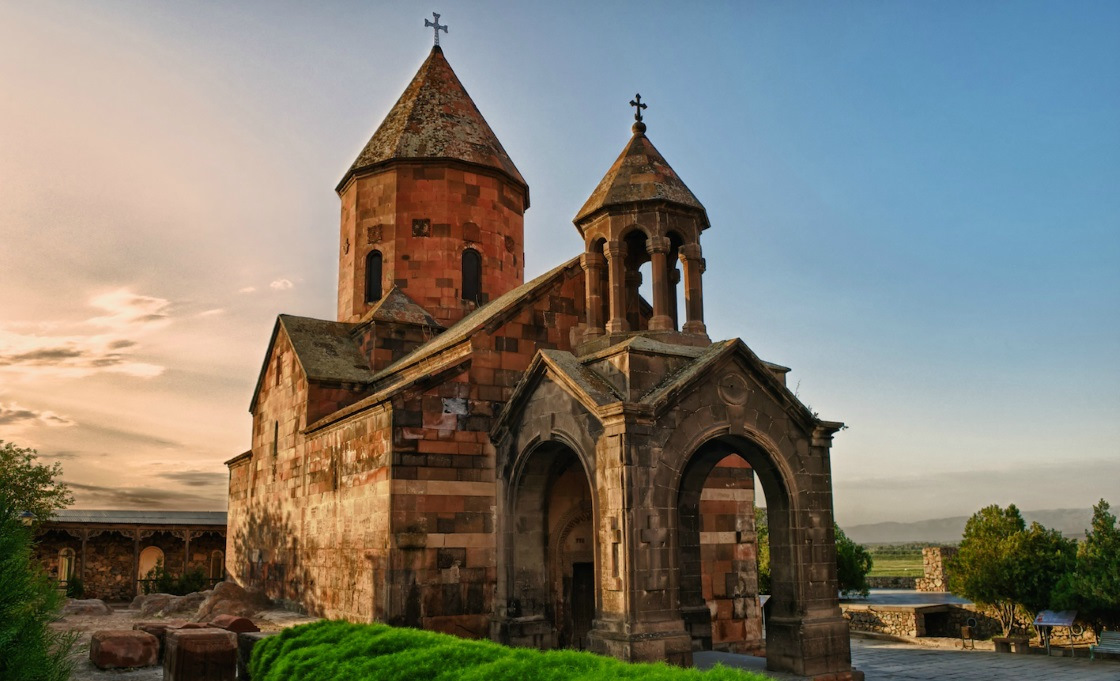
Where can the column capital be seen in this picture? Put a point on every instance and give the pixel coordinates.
(657, 244)
(592, 261)
(690, 252)
(614, 249)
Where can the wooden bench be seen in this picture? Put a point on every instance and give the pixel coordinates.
(1109, 643)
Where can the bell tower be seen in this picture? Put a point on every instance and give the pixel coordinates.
(432, 206)
(640, 213)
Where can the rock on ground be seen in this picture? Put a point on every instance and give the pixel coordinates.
(89, 606)
(123, 649)
(228, 598)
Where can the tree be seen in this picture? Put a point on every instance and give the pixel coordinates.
(29, 601)
(1006, 566)
(983, 569)
(762, 556)
(29, 649)
(853, 562)
(29, 487)
(1092, 588)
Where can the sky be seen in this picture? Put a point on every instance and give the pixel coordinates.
(913, 205)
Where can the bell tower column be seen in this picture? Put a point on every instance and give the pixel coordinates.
(693, 289)
(658, 250)
(593, 264)
(616, 270)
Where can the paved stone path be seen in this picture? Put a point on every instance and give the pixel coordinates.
(889, 661)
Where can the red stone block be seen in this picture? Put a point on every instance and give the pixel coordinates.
(233, 623)
(200, 655)
(122, 649)
(158, 629)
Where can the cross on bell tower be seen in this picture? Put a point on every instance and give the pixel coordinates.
(638, 126)
(435, 26)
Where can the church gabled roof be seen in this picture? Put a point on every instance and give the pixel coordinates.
(640, 174)
(435, 118)
(396, 307)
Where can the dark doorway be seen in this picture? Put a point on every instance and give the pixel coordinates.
(583, 602)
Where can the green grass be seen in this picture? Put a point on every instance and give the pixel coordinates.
(341, 651)
(896, 566)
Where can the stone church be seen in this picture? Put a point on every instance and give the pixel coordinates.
(557, 462)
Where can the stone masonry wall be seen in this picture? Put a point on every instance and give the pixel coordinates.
(934, 564)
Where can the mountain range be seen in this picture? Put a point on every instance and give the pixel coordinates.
(1072, 522)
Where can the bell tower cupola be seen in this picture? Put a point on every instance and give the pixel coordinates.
(432, 206)
(640, 213)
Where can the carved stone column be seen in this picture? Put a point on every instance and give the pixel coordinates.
(658, 248)
(82, 565)
(136, 562)
(616, 270)
(693, 289)
(593, 266)
(186, 550)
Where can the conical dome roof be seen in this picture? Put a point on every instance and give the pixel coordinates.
(435, 118)
(640, 174)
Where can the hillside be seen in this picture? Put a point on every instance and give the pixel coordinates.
(1071, 521)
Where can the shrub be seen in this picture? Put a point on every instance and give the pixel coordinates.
(29, 601)
(75, 588)
(853, 562)
(160, 581)
(340, 651)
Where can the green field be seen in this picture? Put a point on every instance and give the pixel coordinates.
(896, 560)
(896, 566)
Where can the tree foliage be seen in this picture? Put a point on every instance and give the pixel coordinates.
(762, 555)
(29, 601)
(27, 486)
(1006, 566)
(853, 562)
(1092, 588)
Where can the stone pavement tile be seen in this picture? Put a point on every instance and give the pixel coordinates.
(889, 661)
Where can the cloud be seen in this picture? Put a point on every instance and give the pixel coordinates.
(12, 414)
(247, 289)
(96, 496)
(132, 437)
(126, 310)
(198, 478)
(84, 351)
(281, 285)
(211, 313)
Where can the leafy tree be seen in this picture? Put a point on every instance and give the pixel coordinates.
(983, 569)
(1007, 567)
(29, 601)
(853, 562)
(762, 556)
(1042, 558)
(27, 486)
(1093, 587)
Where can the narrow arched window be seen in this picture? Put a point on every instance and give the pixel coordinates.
(373, 277)
(217, 566)
(472, 276)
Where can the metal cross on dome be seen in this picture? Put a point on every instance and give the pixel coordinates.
(436, 26)
(638, 106)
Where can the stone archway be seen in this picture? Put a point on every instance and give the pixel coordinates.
(550, 545)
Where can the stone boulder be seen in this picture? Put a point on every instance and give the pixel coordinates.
(138, 602)
(237, 625)
(158, 629)
(89, 606)
(153, 604)
(123, 649)
(200, 655)
(228, 598)
(166, 605)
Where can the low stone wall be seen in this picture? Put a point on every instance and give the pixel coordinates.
(891, 582)
(885, 619)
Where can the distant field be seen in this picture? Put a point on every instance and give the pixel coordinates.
(896, 566)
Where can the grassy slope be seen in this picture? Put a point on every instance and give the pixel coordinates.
(340, 651)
